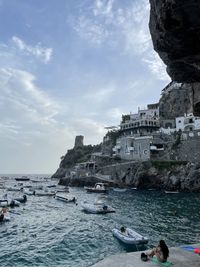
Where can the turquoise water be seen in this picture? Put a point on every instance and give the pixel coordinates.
(47, 232)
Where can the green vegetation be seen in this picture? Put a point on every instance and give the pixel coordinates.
(178, 140)
(125, 118)
(163, 164)
(113, 135)
(80, 154)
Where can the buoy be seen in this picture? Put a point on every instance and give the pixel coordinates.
(197, 250)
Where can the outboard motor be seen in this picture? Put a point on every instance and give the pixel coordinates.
(105, 208)
(25, 198)
(12, 203)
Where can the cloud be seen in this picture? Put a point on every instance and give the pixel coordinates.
(91, 30)
(29, 113)
(100, 95)
(124, 28)
(103, 7)
(42, 53)
(156, 66)
(18, 88)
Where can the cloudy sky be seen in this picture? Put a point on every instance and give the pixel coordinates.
(67, 68)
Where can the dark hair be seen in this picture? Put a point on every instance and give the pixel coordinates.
(122, 229)
(144, 257)
(164, 249)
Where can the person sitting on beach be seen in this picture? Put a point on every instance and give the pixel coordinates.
(161, 252)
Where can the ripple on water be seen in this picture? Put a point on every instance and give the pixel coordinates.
(46, 232)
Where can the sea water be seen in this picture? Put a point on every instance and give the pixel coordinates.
(48, 232)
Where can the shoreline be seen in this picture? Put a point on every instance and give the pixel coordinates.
(178, 256)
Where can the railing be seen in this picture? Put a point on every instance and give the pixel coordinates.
(140, 123)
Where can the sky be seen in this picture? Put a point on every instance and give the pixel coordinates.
(67, 68)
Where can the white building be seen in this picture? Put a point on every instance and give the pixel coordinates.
(142, 123)
(188, 123)
(133, 148)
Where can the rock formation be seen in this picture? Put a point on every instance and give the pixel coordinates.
(176, 100)
(175, 30)
(79, 153)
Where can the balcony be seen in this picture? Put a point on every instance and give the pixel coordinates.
(140, 123)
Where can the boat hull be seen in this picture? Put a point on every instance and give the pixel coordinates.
(97, 209)
(133, 238)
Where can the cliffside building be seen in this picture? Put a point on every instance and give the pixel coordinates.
(188, 123)
(142, 123)
(133, 148)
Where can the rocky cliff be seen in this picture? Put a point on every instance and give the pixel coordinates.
(80, 153)
(175, 31)
(167, 175)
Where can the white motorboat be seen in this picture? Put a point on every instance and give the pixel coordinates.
(62, 189)
(13, 188)
(66, 197)
(22, 199)
(3, 203)
(120, 190)
(13, 203)
(23, 179)
(98, 188)
(28, 192)
(129, 237)
(172, 192)
(44, 193)
(96, 208)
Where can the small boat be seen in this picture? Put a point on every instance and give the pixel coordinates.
(100, 208)
(36, 187)
(28, 192)
(44, 193)
(134, 188)
(120, 190)
(13, 203)
(172, 192)
(23, 178)
(129, 237)
(13, 189)
(51, 185)
(62, 189)
(66, 197)
(21, 199)
(3, 202)
(98, 188)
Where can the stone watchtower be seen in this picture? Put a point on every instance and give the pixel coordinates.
(79, 141)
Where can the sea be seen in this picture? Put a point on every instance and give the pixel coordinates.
(47, 232)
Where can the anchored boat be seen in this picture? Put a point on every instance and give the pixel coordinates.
(66, 197)
(96, 208)
(98, 188)
(129, 236)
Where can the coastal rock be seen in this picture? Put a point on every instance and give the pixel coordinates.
(61, 172)
(175, 30)
(80, 153)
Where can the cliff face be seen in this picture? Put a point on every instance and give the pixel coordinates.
(175, 101)
(78, 154)
(175, 30)
(168, 175)
(179, 99)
